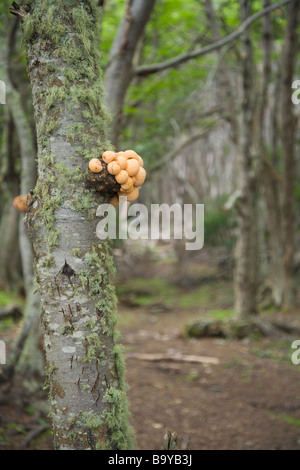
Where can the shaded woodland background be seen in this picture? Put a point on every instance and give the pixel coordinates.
(215, 124)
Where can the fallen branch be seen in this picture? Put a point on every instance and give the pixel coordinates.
(239, 329)
(289, 329)
(174, 357)
(33, 434)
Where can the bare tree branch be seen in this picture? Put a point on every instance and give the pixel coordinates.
(154, 68)
(191, 139)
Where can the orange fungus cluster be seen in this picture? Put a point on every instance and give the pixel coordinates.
(128, 169)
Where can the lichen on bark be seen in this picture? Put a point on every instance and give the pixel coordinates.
(75, 272)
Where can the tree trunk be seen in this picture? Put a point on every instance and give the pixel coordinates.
(119, 71)
(26, 357)
(74, 271)
(287, 132)
(246, 271)
(10, 272)
(268, 178)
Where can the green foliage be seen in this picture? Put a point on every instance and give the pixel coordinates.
(7, 298)
(221, 314)
(219, 224)
(289, 419)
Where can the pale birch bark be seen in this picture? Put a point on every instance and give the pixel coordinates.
(74, 271)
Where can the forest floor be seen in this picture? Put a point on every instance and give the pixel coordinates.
(250, 399)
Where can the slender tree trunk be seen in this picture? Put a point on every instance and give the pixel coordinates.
(26, 357)
(28, 164)
(268, 178)
(287, 132)
(119, 71)
(74, 271)
(10, 272)
(225, 89)
(246, 271)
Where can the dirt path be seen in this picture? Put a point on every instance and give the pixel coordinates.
(250, 400)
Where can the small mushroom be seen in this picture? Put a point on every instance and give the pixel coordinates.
(140, 177)
(20, 202)
(113, 168)
(108, 156)
(132, 167)
(131, 154)
(141, 161)
(122, 177)
(95, 165)
(133, 195)
(128, 185)
(121, 160)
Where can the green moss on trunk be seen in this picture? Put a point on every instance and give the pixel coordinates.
(79, 309)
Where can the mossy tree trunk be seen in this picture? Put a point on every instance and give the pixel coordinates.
(74, 271)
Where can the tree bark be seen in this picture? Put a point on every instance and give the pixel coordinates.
(84, 364)
(268, 178)
(246, 270)
(119, 71)
(287, 132)
(10, 272)
(225, 88)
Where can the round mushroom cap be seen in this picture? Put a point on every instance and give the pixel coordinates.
(113, 168)
(108, 156)
(122, 161)
(20, 202)
(141, 161)
(122, 177)
(133, 195)
(95, 165)
(131, 154)
(140, 177)
(132, 167)
(128, 185)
